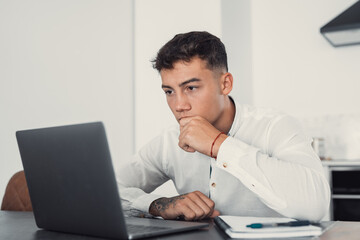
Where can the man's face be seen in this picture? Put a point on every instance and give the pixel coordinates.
(193, 90)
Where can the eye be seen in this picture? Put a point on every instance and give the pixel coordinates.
(192, 88)
(168, 92)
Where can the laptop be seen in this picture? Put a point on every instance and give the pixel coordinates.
(72, 185)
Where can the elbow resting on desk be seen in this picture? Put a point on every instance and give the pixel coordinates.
(311, 202)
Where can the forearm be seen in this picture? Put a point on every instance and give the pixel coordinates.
(136, 180)
(159, 206)
(292, 185)
(135, 199)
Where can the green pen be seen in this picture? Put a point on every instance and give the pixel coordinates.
(288, 224)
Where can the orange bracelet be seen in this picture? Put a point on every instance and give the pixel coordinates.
(212, 145)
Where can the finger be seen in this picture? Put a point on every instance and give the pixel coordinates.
(187, 213)
(185, 147)
(184, 121)
(195, 207)
(206, 199)
(182, 135)
(200, 203)
(215, 214)
(189, 149)
(183, 144)
(210, 203)
(184, 127)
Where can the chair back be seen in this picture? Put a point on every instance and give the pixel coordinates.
(16, 197)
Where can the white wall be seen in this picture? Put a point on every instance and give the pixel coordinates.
(237, 37)
(279, 59)
(66, 61)
(63, 62)
(157, 21)
(294, 68)
(276, 54)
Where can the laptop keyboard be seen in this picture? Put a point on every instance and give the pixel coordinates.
(133, 228)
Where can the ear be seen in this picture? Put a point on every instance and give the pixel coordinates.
(226, 83)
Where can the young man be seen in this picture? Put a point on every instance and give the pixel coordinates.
(223, 157)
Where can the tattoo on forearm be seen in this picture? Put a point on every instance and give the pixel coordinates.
(161, 204)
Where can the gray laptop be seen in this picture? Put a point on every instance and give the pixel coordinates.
(72, 185)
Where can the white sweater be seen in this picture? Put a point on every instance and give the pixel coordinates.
(266, 167)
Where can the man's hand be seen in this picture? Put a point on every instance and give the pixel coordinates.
(197, 134)
(190, 206)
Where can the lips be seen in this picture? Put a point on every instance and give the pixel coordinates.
(183, 117)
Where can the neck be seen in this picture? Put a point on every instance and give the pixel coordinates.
(226, 119)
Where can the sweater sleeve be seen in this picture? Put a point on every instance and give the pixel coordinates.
(140, 176)
(285, 173)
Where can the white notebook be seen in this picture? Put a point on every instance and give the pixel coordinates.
(235, 227)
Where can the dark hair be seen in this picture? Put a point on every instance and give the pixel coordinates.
(185, 46)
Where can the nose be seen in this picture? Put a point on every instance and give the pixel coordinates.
(182, 103)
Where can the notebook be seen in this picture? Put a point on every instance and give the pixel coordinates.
(72, 185)
(236, 227)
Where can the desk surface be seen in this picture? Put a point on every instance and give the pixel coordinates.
(21, 226)
(336, 163)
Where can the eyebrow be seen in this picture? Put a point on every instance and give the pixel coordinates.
(183, 83)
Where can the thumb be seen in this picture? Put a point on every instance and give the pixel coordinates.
(215, 214)
(187, 148)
